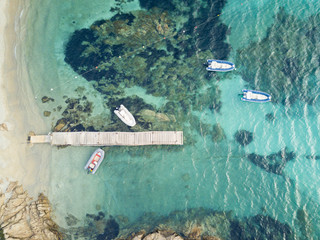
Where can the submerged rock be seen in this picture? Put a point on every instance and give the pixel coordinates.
(243, 137)
(76, 115)
(270, 117)
(3, 127)
(46, 99)
(217, 133)
(274, 163)
(46, 113)
(313, 157)
(191, 224)
(71, 220)
(260, 227)
(304, 222)
(146, 115)
(61, 124)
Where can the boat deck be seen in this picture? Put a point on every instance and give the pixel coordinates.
(111, 138)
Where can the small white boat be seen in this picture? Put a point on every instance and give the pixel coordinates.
(255, 96)
(123, 113)
(219, 65)
(94, 161)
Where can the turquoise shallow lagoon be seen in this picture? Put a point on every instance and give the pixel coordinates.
(206, 172)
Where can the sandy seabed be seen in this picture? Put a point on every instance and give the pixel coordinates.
(19, 114)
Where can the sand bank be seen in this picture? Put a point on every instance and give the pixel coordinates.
(18, 110)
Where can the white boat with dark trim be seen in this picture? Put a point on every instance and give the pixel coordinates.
(219, 65)
(123, 113)
(255, 96)
(94, 161)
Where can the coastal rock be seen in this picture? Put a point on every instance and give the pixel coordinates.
(46, 113)
(210, 238)
(3, 127)
(71, 220)
(45, 99)
(195, 233)
(21, 218)
(146, 115)
(261, 227)
(218, 133)
(162, 117)
(61, 123)
(191, 224)
(31, 133)
(158, 235)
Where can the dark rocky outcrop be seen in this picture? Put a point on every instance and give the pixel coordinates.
(274, 163)
(260, 227)
(243, 137)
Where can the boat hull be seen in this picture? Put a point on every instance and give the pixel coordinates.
(98, 152)
(255, 96)
(219, 65)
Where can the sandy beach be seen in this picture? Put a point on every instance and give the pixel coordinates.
(18, 111)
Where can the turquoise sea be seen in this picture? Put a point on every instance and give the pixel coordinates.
(243, 158)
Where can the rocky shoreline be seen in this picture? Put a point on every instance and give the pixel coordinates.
(24, 218)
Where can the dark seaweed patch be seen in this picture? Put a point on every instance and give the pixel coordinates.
(111, 230)
(76, 46)
(123, 16)
(164, 4)
(243, 137)
(274, 163)
(260, 227)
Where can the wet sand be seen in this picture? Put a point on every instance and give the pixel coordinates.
(19, 161)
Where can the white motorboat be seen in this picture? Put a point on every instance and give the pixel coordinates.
(123, 113)
(219, 65)
(255, 96)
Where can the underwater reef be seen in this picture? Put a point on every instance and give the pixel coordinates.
(285, 63)
(96, 227)
(218, 133)
(243, 137)
(273, 163)
(162, 50)
(195, 223)
(261, 227)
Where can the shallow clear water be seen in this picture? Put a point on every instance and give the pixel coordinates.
(219, 176)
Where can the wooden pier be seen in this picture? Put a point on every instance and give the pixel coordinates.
(110, 138)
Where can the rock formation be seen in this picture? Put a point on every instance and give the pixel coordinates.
(243, 137)
(275, 162)
(23, 218)
(3, 127)
(158, 235)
